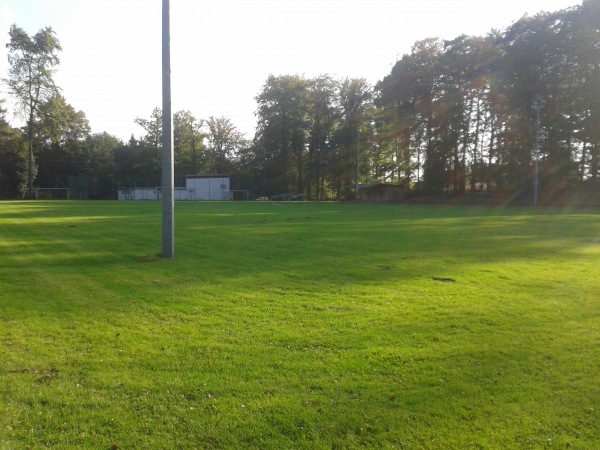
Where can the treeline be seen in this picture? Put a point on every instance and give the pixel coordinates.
(461, 113)
(452, 117)
(94, 165)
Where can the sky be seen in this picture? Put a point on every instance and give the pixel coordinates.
(222, 51)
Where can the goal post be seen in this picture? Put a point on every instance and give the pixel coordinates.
(52, 194)
(286, 199)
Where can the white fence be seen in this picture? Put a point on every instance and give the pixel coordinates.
(145, 193)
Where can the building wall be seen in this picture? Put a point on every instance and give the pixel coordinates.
(144, 193)
(152, 194)
(209, 187)
(198, 187)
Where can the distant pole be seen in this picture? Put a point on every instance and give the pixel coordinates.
(168, 185)
(537, 105)
(193, 148)
(357, 163)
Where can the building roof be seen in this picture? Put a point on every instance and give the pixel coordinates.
(209, 176)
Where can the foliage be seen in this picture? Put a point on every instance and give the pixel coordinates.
(188, 139)
(283, 108)
(224, 142)
(61, 135)
(13, 160)
(308, 326)
(463, 110)
(451, 117)
(31, 66)
(307, 134)
(189, 148)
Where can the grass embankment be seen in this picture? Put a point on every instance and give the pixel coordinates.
(300, 326)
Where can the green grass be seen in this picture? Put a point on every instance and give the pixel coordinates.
(300, 326)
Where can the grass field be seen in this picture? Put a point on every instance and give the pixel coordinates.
(318, 325)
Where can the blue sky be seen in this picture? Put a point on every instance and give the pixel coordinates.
(224, 50)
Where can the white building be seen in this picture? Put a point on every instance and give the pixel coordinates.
(208, 187)
(198, 187)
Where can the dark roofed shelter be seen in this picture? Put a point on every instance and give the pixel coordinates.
(381, 193)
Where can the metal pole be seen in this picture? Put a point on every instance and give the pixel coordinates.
(357, 162)
(537, 105)
(193, 148)
(168, 204)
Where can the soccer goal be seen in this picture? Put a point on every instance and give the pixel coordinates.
(285, 199)
(52, 194)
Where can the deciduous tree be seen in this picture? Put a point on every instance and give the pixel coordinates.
(224, 141)
(32, 62)
(13, 160)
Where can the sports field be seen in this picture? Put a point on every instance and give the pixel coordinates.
(308, 325)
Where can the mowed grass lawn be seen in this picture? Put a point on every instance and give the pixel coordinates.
(309, 325)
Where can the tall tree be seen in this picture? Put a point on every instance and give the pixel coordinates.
(189, 148)
(153, 129)
(324, 114)
(60, 136)
(283, 118)
(188, 139)
(224, 141)
(354, 98)
(414, 91)
(32, 62)
(463, 108)
(148, 150)
(100, 168)
(13, 160)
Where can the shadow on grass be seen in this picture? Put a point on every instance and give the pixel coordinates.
(315, 239)
(303, 303)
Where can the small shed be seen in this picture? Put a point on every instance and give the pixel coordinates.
(381, 193)
(197, 187)
(208, 187)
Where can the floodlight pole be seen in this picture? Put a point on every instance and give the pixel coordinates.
(168, 204)
(357, 193)
(537, 105)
